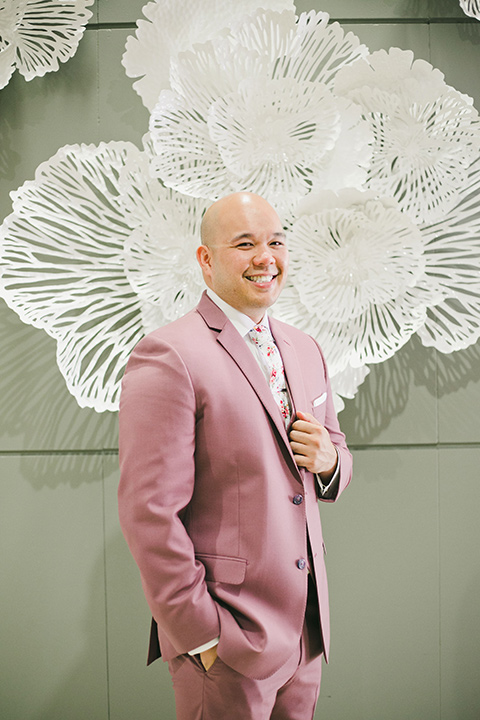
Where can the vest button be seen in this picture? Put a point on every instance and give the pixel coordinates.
(297, 499)
(301, 564)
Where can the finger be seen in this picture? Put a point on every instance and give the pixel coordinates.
(208, 657)
(305, 427)
(307, 417)
(309, 437)
(303, 461)
(299, 448)
(301, 426)
(298, 436)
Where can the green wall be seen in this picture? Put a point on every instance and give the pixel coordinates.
(403, 543)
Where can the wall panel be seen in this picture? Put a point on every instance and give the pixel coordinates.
(52, 593)
(459, 582)
(383, 567)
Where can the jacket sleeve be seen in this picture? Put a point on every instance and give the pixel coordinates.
(157, 474)
(343, 473)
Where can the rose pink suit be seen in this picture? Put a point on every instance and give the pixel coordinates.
(212, 504)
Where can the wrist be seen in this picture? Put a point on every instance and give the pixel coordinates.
(327, 474)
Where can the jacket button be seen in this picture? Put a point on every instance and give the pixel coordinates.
(297, 499)
(301, 564)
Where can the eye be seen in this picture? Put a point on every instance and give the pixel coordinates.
(244, 245)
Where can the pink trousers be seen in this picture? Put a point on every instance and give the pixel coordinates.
(224, 694)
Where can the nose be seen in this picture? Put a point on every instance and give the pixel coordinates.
(263, 255)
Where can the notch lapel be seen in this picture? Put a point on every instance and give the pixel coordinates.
(236, 347)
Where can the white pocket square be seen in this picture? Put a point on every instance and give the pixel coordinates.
(320, 399)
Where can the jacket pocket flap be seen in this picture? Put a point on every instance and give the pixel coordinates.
(220, 568)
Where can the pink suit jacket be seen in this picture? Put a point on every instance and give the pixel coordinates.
(209, 490)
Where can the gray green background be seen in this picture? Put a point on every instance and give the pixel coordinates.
(403, 542)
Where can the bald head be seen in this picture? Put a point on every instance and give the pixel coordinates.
(237, 205)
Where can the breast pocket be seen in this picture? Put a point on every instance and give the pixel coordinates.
(318, 407)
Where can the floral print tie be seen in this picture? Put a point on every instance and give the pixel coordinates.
(262, 337)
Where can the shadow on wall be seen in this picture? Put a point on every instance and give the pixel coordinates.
(8, 157)
(10, 117)
(386, 390)
(437, 8)
(39, 414)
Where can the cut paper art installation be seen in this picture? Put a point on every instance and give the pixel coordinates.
(37, 35)
(371, 160)
(256, 109)
(160, 38)
(354, 270)
(73, 230)
(426, 134)
(471, 8)
(452, 263)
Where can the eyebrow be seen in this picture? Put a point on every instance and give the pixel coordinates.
(250, 236)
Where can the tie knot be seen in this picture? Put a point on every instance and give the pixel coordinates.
(260, 330)
(260, 334)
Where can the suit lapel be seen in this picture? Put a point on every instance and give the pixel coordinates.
(237, 348)
(291, 366)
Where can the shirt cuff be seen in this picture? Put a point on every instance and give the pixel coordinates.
(205, 646)
(325, 488)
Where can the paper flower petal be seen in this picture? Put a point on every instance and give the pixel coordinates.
(452, 251)
(252, 111)
(354, 270)
(186, 157)
(346, 165)
(426, 134)
(160, 260)
(345, 260)
(96, 252)
(294, 125)
(62, 267)
(471, 8)
(160, 37)
(345, 385)
(7, 48)
(320, 49)
(43, 33)
(371, 338)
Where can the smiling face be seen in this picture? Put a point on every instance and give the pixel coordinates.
(244, 257)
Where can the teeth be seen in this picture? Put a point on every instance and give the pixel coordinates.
(261, 278)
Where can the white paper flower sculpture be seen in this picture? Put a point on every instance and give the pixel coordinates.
(357, 277)
(345, 384)
(254, 110)
(452, 255)
(159, 254)
(426, 134)
(160, 37)
(7, 48)
(471, 8)
(36, 35)
(62, 261)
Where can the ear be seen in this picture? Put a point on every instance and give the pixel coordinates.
(204, 259)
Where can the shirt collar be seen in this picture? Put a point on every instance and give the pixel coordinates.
(241, 322)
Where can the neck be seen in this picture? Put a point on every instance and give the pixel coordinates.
(254, 317)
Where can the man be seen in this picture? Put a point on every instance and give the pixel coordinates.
(220, 474)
